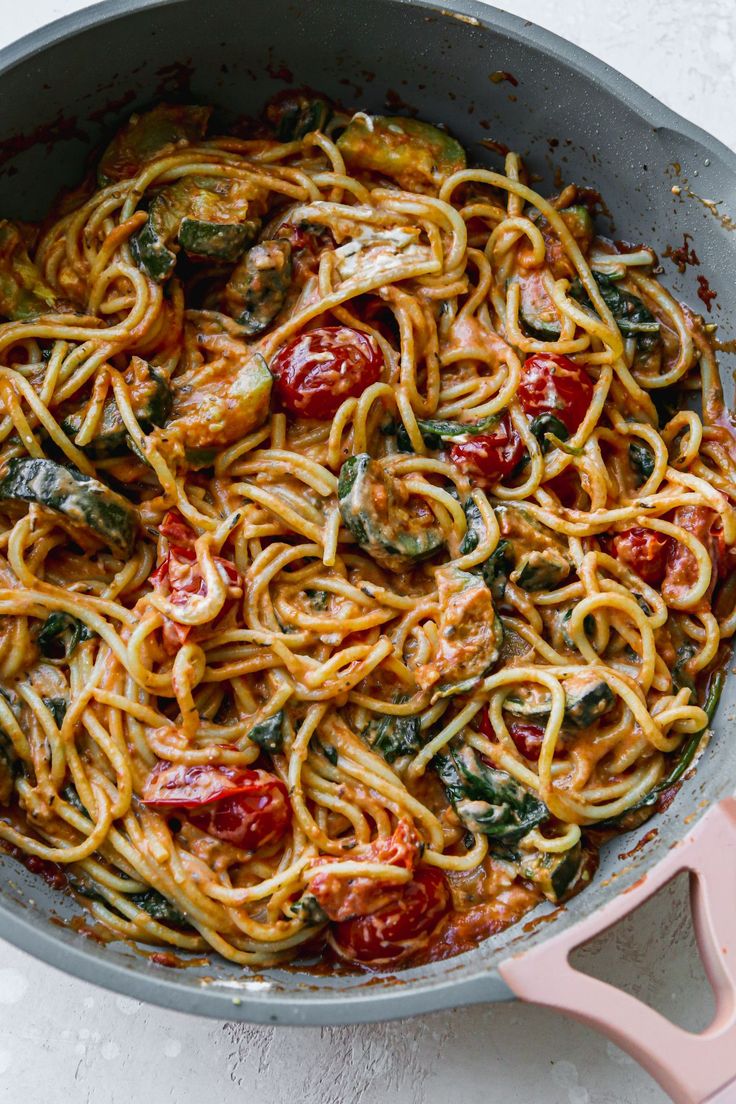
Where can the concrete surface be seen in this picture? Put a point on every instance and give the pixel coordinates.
(66, 1042)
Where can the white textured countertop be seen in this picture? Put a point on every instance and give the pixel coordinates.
(66, 1042)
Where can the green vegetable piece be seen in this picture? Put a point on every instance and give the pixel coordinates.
(269, 733)
(554, 874)
(588, 626)
(222, 241)
(158, 907)
(210, 414)
(24, 294)
(308, 909)
(150, 397)
(208, 216)
(8, 769)
(70, 795)
(57, 707)
(681, 676)
(377, 509)
(641, 459)
(417, 155)
(61, 629)
(146, 136)
(394, 736)
(318, 599)
(497, 568)
(541, 570)
(543, 425)
(87, 506)
(537, 312)
(293, 114)
(486, 799)
(630, 314)
(587, 699)
(436, 430)
(257, 289)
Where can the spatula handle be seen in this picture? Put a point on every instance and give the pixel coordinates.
(691, 1068)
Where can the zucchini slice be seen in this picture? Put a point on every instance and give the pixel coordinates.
(293, 114)
(554, 873)
(23, 292)
(150, 396)
(537, 312)
(470, 633)
(588, 697)
(579, 222)
(415, 154)
(87, 506)
(257, 289)
(206, 215)
(541, 570)
(213, 410)
(395, 529)
(144, 136)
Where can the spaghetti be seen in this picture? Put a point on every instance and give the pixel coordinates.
(366, 538)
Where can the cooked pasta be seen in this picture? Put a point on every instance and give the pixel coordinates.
(366, 538)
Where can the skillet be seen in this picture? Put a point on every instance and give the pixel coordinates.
(496, 81)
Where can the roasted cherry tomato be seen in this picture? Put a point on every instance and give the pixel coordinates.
(321, 368)
(681, 569)
(527, 737)
(345, 898)
(644, 551)
(178, 575)
(553, 384)
(490, 456)
(402, 925)
(247, 808)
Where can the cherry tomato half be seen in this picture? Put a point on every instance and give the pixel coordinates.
(490, 456)
(554, 384)
(247, 808)
(644, 551)
(527, 737)
(394, 930)
(317, 371)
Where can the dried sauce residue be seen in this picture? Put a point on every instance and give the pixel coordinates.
(60, 129)
(650, 835)
(495, 146)
(502, 75)
(684, 255)
(705, 293)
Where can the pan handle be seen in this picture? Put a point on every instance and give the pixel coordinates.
(691, 1068)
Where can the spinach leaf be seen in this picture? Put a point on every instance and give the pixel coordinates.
(269, 734)
(393, 736)
(486, 799)
(680, 675)
(548, 423)
(70, 795)
(641, 459)
(318, 599)
(329, 751)
(308, 909)
(436, 430)
(57, 707)
(157, 906)
(61, 629)
(496, 569)
(630, 314)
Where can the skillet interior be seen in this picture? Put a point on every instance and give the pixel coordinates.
(65, 88)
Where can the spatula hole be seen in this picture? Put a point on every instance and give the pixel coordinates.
(652, 954)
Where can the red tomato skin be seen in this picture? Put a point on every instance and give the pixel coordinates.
(554, 384)
(489, 457)
(316, 371)
(527, 737)
(247, 808)
(176, 530)
(393, 931)
(644, 551)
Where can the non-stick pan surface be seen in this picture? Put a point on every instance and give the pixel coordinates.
(497, 82)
